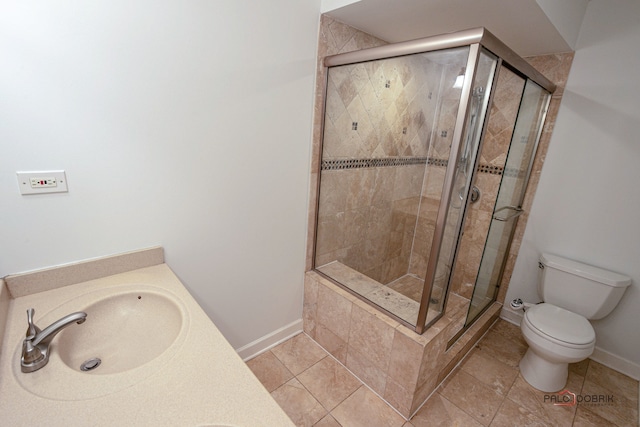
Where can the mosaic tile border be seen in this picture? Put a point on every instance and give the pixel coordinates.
(340, 164)
(437, 162)
(371, 163)
(490, 169)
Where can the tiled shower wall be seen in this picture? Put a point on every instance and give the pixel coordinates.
(373, 231)
(378, 135)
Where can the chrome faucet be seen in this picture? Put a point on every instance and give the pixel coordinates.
(35, 347)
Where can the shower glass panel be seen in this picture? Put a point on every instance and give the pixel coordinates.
(508, 206)
(464, 165)
(388, 131)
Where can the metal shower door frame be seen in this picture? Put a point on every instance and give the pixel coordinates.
(476, 39)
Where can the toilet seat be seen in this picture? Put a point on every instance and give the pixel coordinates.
(560, 326)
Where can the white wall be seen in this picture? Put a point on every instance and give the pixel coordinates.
(587, 205)
(181, 123)
(329, 5)
(566, 16)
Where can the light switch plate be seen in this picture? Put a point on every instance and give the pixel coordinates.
(42, 182)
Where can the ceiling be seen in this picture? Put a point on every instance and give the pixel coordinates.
(522, 25)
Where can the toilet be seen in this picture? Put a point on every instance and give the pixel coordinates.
(558, 330)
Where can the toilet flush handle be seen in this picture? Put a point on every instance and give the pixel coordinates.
(518, 304)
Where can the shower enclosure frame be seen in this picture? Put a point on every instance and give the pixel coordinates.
(476, 39)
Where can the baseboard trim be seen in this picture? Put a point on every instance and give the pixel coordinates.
(269, 341)
(609, 360)
(511, 316)
(616, 363)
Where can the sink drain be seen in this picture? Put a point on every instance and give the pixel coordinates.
(91, 364)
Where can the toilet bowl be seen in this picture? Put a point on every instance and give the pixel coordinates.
(558, 330)
(556, 337)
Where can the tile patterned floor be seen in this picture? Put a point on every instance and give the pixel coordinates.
(486, 389)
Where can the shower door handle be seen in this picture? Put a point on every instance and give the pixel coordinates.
(517, 212)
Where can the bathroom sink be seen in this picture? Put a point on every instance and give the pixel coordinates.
(131, 332)
(122, 331)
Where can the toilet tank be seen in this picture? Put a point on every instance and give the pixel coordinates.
(581, 288)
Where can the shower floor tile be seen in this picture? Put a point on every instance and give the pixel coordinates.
(409, 286)
(326, 394)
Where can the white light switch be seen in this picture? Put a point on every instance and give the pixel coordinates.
(42, 182)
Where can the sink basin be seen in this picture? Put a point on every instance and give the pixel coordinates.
(124, 331)
(134, 330)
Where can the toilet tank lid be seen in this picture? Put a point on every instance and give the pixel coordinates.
(585, 270)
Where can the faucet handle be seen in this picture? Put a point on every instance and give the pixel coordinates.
(32, 329)
(30, 353)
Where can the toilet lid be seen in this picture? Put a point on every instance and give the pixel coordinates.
(561, 324)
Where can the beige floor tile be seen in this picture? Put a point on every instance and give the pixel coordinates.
(327, 421)
(613, 380)
(511, 414)
(299, 404)
(329, 382)
(542, 404)
(440, 412)
(621, 411)
(494, 373)
(269, 370)
(473, 397)
(364, 409)
(580, 368)
(497, 346)
(586, 418)
(299, 353)
(509, 330)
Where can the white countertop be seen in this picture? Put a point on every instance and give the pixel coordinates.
(201, 383)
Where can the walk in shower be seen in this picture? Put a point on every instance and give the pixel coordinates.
(410, 130)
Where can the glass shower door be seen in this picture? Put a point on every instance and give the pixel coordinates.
(508, 206)
(388, 129)
(442, 256)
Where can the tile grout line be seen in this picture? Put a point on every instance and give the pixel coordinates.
(311, 393)
(300, 382)
(499, 407)
(471, 415)
(588, 408)
(358, 378)
(311, 366)
(285, 367)
(451, 373)
(584, 380)
(343, 400)
(454, 371)
(504, 397)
